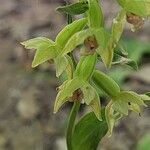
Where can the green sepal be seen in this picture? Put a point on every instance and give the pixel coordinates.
(77, 39)
(95, 14)
(42, 55)
(61, 63)
(130, 97)
(118, 25)
(110, 118)
(92, 99)
(66, 91)
(85, 67)
(121, 107)
(65, 34)
(45, 49)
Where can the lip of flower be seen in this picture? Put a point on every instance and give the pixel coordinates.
(135, 20)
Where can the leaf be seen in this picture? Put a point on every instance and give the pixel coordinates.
(121, 107)
(66, 92)
(61, 64)
(88, 132)
(129, 96)
(74, 9)
(138, 7)
(43, 55)
(143, 143)
(65, 34)
(118, 25)
(37, 43)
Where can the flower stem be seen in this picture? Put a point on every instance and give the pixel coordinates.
(71, 123)
(75, 107)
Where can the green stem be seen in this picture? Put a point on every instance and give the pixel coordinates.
(71, 123)
(75, 108)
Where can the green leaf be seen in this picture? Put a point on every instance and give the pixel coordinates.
(61, 64)
(88, 132)
(138, 7)
(43, 55)
(68, 31)
(121, 107)
(95, 14)
(85, 67)
(37, 43)
(118, 25)
(66, 91)
(143, 144)
(74, 9)
(129, 96)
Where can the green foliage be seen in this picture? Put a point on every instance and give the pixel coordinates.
(66, 91)
(65, 34)
(143, 144)
(74, 9)
(88, 132)
(83, 82)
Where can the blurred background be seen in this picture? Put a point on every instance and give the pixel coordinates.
(27, 95)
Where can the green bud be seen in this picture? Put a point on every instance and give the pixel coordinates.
(86, 66)
(105, 83)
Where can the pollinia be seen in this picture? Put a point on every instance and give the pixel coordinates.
(82, 80)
